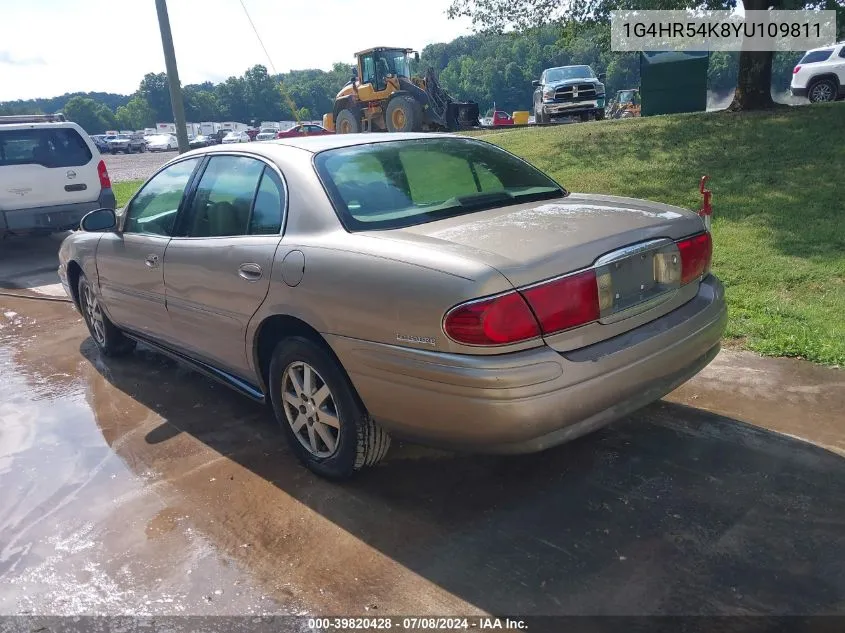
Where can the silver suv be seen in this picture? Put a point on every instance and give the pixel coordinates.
(51, 174)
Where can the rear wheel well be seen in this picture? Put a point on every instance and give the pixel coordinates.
(275, 328)
(817, 78)
(74, 271)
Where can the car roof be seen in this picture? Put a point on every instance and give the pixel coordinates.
(315, 144)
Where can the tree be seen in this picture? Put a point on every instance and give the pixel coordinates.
(754, 76)
(95, 118)
(156, 91)
(136, 114)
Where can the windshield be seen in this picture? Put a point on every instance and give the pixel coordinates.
(569, 72)
(397, 62)
(123, 137)
(397, 184)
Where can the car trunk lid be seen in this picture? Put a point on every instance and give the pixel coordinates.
(631, 243)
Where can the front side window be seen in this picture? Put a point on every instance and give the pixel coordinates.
(223, 203)
(153, 211)
(48, 147)
(404, 183)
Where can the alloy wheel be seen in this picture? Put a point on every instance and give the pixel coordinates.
(94, 315)
(310, 409)
(822, 92)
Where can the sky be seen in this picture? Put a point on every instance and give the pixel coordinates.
(50, 47)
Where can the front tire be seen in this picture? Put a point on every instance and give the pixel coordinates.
(403, 114)
(822, 91)
(109, 339)
(320, 413)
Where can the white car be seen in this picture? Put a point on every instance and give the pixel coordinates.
(162, 143)
(51, 174)
(266, 134)
(236, 137)
(820, 75)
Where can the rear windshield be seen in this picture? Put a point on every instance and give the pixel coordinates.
(404, 183)
(56, 147)
(816, 56)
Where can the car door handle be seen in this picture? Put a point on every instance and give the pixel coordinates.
(151, 261)
(250, 272)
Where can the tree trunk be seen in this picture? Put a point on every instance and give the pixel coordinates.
(754, 78)
(753, 82)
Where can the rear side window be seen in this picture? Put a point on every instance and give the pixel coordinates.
(48, 147)
(842, 52)
(816, 56)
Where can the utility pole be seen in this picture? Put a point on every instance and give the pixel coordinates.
(172, 76)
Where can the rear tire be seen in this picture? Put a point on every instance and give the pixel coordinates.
(109, 339)
(347, 123)
(585, 116)
(403, 114)
(600, 115)
(822, 91)
(324, 405)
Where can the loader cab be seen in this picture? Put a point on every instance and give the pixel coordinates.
(377, 65)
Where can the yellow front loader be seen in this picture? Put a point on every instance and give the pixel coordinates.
(383, 96)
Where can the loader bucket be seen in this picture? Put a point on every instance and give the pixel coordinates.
(461, 116)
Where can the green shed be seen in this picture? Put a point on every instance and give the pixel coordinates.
(673, 81)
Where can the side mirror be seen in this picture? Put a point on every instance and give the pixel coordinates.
(536, 83)
(602, 76)
(98, 220)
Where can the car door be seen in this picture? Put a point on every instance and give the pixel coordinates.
(217, 266)
(129, 260)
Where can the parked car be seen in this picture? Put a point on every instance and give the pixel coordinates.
(51, 174)
(266, 134)
(100, 142)
(568, 91)
(304, 129)
(236, 137)
(127, 143)
(199, 141)
(371, 286)
(820, 75)
(501, 118)
(162, 143)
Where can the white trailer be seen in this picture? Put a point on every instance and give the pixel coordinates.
(165, 128)
(207, 128)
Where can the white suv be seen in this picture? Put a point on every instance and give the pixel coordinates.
(51, 174)
(820, 75)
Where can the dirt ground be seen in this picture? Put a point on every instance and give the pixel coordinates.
(135, 486)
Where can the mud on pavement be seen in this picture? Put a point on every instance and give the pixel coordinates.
(134, 486)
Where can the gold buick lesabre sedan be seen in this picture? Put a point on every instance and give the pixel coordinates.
(428, 287)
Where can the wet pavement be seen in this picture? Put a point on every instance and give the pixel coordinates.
(135, 486)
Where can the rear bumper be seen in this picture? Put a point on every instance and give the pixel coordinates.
(798, 92)
(529, 401)
(52, 219)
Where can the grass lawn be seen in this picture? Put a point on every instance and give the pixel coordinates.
(125, 190)
(778, 199)
(778, 206)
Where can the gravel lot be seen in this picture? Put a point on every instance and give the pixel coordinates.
(123, 167)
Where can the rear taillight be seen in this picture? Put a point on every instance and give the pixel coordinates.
(566, 302)
(795, 70)
(696, 255)
(495, 321)
(103, 173)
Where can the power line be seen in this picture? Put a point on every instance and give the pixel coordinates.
(260, 41)
(282, 90)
